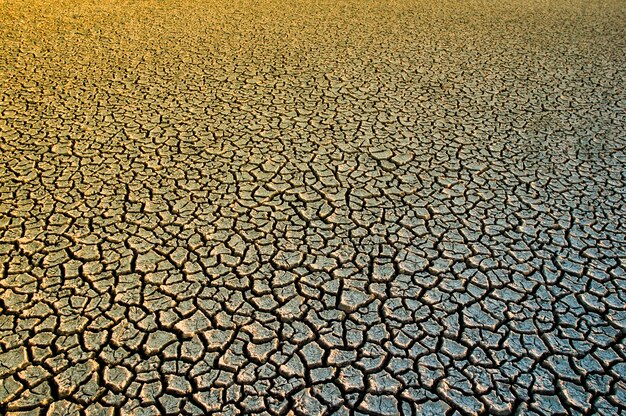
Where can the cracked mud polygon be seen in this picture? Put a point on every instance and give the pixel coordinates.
(312, 207)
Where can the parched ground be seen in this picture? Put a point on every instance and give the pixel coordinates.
(312, 207)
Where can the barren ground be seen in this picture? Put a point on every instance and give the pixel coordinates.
(319, 207)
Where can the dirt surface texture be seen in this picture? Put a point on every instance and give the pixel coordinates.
(312, 207)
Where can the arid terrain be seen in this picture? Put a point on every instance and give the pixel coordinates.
(312, 207)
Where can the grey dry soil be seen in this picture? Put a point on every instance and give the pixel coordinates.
(316, 207)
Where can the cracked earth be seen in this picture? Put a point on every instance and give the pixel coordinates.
(312, 207)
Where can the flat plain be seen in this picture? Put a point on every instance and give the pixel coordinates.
(307, 207)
